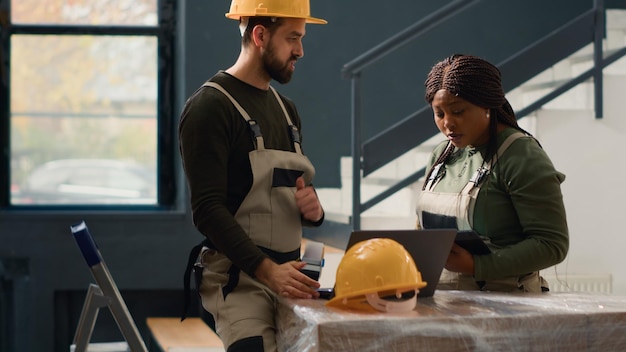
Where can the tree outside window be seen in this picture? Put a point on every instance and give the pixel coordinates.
(83, 87)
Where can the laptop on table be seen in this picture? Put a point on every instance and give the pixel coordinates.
(428, 247)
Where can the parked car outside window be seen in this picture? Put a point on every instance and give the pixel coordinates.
(87, 181)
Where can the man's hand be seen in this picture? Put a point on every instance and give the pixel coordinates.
(307, 201)
(460, 261)
(286, 279)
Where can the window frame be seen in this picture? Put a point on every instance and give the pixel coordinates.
(164, 31)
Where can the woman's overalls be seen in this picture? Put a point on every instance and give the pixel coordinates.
(460, 206)
(244, 308)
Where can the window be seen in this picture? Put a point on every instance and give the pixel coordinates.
(86, 92)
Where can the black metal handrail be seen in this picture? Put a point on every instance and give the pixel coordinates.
(537, 57)
(407, 35)
(592, 72)
(353, 70)
(377, 151)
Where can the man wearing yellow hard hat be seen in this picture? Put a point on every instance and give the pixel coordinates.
(250, 184)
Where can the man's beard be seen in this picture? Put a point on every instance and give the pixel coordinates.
(279, 71)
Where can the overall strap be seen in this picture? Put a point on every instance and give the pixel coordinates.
(437, 173)
(256, 130)
(196, 268)
(295, 136)
(476, 180)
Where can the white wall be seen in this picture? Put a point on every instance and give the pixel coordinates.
(588, 151)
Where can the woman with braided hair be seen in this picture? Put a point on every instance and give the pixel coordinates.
(492, 177)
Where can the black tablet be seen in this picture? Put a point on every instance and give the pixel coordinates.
(471, 242)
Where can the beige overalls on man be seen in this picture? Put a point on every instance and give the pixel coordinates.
(461, 206)
(268, 214)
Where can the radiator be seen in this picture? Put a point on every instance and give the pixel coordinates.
(579, 282)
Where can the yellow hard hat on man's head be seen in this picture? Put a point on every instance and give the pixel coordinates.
(272, 8)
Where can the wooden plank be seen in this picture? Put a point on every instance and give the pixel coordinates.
(171, 333)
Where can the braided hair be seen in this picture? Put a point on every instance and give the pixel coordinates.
(479, 82)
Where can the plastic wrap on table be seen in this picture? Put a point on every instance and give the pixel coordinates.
(461, 321)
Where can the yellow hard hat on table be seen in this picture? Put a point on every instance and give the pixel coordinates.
(272, 8)
(373, 269)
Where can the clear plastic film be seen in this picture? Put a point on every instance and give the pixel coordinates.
(461, 321)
